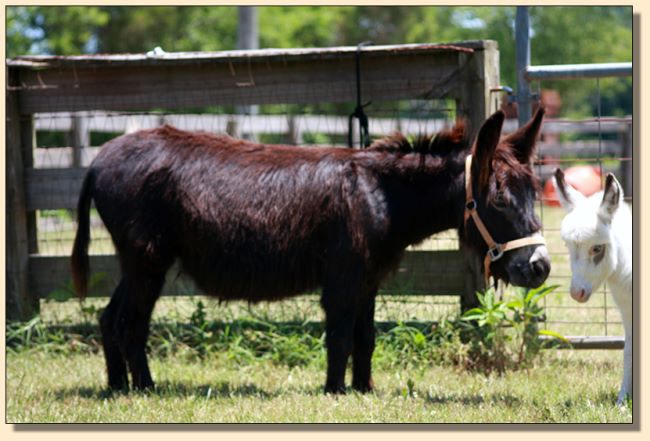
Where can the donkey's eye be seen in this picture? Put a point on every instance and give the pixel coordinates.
(596, 249)
(499, 200)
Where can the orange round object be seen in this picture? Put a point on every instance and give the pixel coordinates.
(584, 178)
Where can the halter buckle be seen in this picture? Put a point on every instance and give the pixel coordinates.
(470, 205)
(495, 253)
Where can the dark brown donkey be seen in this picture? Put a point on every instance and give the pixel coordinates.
(260, 222)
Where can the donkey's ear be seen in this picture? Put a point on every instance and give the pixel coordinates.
(612, 197)
(524, 139)
(567, 195)
(486, 143)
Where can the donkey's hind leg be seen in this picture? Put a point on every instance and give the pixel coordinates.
(115, 362)
(142, 291)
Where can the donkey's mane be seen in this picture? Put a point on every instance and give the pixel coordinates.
(443, 143)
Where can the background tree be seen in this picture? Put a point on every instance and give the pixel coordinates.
(559, 35)
(53, 29)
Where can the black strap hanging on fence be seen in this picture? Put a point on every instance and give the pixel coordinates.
(364, 136)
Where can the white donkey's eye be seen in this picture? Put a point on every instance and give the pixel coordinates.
(596, 249)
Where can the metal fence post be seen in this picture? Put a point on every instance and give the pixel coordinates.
(626, 173)
(522, 61)
(80, 137)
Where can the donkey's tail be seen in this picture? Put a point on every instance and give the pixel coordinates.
(79, 263)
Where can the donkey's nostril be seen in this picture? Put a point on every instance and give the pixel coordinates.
(579, 295)
(541, 267)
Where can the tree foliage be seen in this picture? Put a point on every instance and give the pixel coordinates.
(560, 35)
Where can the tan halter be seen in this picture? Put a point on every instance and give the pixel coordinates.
(495, 250)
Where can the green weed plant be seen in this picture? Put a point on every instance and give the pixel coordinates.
(504, 334)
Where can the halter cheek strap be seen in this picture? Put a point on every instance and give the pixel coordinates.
(495, 250)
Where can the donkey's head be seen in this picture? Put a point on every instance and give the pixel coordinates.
(587, 232)
(504, 189)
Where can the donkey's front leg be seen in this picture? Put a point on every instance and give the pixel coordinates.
(340, 317)
(626, 385)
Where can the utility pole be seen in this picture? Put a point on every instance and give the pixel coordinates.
(522, 61)
(247, 32)
(247, 38)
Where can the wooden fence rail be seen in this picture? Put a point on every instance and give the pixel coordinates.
(108, 122)
(293, 127)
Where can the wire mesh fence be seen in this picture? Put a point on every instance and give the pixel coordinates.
(599, 141)
(304, 126)
(600, 144)
(414, 89)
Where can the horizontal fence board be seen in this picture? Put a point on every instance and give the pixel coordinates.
(419, 273)
(239, 82)
(97, 61)
(62, 157)
(53, 188)
(564, 126)
(119, 122)
(298, 125)
(256, 124)
(545, 171)
(428, 272)
(580, 149)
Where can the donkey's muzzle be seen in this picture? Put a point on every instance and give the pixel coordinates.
(539, 266)
(580, 295)
(531, 270)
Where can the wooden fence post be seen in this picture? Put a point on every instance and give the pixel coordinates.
(27, 145)
(20, 305)
(475, 103)
(474, 280)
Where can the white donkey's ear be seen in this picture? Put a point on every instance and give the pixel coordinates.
(612, 197)
(567, 195)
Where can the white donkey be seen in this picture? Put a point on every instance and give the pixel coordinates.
(598, 232)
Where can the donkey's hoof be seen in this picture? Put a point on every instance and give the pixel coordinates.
(364, 388)
(118, 385)
(335, 390)
(144, 386)
(111, 391)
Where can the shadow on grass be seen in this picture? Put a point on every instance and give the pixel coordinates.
(475, 400)
(465, 400)
(220, 390)
(167, 389)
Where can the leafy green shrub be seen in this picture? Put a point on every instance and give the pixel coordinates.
(504, 334)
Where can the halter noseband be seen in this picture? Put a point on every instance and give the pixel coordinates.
(495, 250)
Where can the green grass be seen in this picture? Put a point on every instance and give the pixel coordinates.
(567, 387)
(240, 363)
